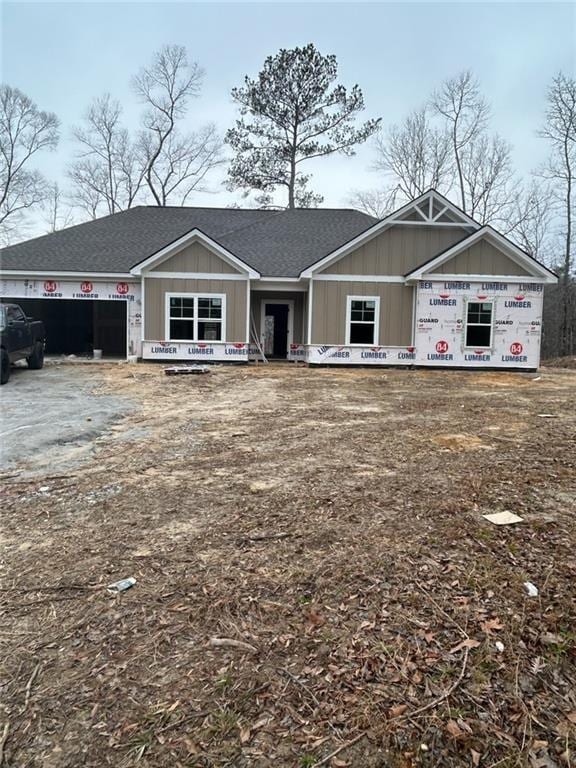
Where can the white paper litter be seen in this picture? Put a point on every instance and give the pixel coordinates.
(122, 585)
(531, 589)
(503, 518)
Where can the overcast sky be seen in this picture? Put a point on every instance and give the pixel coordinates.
(63, 54)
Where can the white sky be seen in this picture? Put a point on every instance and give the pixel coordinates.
(64, 54)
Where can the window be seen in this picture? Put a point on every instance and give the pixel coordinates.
(362, 318)
(181, 318)
(15, 315)
(209, 319)
(479, 324)
(195, 317)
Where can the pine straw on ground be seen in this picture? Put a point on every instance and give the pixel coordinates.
(561, 362)
(330, 524)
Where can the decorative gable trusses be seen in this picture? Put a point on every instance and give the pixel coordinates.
(429, 210)
(432, 209)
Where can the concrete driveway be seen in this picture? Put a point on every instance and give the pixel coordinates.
(49, 418)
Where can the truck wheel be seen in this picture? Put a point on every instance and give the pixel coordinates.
(4, 366)
(36, 359)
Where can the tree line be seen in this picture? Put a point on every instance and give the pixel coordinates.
(296, 110)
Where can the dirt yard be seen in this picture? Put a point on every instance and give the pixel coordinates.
(316, 584)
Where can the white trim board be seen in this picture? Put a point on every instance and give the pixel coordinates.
(196, 275)
(361, 278)
(248, 310)
(505, 246)
(309, 312)
(432, 223)
(46, 275)
(300, 287)
(461, 277)
(195, 235)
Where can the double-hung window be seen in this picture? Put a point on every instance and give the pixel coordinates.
(479, 324)
(195, 317)
(362, 320)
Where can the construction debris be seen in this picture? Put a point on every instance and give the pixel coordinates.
(177, 370)
(122, 585)
(227, 642)
(503, 518)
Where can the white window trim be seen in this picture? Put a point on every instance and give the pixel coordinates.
(376, 300)
(195, 296)
(483, 325)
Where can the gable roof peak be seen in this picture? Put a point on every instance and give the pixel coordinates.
(535, 269)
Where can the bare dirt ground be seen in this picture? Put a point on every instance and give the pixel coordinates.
(329, 523)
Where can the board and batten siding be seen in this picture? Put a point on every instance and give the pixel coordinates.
(329, 311)
(195, 258)
(270, 297)
(397, 250)
(155, 290)
(482, 258)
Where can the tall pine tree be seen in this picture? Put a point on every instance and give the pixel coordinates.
(291, 113)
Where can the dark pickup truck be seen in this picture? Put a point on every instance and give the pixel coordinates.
(20, 338)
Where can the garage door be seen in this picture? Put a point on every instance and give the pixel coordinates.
(80, 327)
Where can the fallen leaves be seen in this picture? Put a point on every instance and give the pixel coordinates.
(469, 642)
(454, 730)
(397, 710)
(458, 729)
(340, 638)
(491, 625)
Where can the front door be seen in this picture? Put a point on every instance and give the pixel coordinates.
(276, 329)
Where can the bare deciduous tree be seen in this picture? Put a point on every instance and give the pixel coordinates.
(560, 130)
(25, 130)
(376, 202)
(57, 212)
(532, 222)
(465, 112)
(416, 155)
(490, 188)
(107, 172)
(182, 166)
(447, 147)
(174, 164)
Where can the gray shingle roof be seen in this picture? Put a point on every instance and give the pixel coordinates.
(276, 243)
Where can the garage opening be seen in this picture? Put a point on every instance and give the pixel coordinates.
(75, 327)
